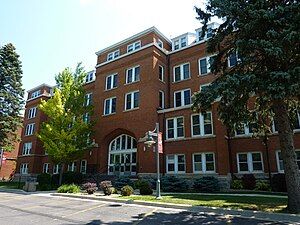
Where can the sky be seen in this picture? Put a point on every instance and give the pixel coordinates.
(50, 35)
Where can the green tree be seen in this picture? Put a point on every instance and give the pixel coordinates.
(266, 37)
(11, 96)
(66, 133)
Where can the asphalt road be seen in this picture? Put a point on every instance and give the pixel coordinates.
(25, 209)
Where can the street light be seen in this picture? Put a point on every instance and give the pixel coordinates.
(151, 137)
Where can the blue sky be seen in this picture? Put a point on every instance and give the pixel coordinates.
(53, 34)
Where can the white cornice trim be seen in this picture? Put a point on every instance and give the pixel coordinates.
(174, 109)
(151, 29)
(41, 85)
(42, 95)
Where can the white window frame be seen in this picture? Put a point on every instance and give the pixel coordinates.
(160, 43)
(109, 100)
(134, 46)
(32, 112)
(113, 55)
(73, 167)
(88, 99)
(237, 59)
(56, 169)
(246, 131)
(163, 73)
(46, 167)
(201, 120)
(132, 100)
(181, 72)
(180, 42)
(83, 167)
(278, 160)
(35, 94)
(203, 163)
(134, 76)
(250, 163)
(27, 147)
(113, 78)
(175, 128)
(182, 97)
(90, 77)
(162, 106)
(30, 128)
(175, 164)
(24, 168)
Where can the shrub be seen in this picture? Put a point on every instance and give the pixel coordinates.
(106, 187)
(44, 180)
(278, 182)
(262, 186)
(248, 181)
(174, 184)
(206, 184)
(114, 190)
(236, 184)
(55, 181)
(122, 181)
(90, 188)
(126, 190)
(72, 178)
(68, 188)
(150, 180)
(145, 188)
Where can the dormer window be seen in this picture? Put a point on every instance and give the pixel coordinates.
(113, 55)
(209, 32)
(160, 43)
(35, 94)
(179, 43)
(89, 77)
(134, 46)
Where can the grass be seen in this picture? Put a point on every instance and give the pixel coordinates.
(11, 185)
(267, 204)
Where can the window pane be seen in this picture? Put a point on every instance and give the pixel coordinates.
(178, 99)
(256, 157)
(197, 158)
(186, 71)
(108, 83)
(209, 157)
(181, 167)
(113, 107)
(115, 80)
(107, 101)
(128, 101)
(171, 167)
(243, 167)
(129, 142)
(232, 59)
(171, 133)
(133, 157)
(137, 73)
(242, 157)
(136, 99)
(198, 166)
(177, 73)
(129, 76)
(210, 166)
(180, 158)
(203, 66)
(187, 97)
(134, 144)
(123, 142)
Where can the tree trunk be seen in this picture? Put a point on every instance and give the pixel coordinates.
(61, 174)
(292, 174)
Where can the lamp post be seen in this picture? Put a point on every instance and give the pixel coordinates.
(152, 138)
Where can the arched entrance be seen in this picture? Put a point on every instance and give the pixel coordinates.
(122, 155)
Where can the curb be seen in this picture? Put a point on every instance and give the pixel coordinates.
(274, 217)
(17, 191)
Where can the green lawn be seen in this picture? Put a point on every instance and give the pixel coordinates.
(11, 185)
(269, 204)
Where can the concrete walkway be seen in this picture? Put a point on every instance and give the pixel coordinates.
(276, 217)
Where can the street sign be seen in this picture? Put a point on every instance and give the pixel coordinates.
(160, 144)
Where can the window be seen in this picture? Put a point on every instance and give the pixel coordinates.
(160, 43)
(133, 74)
(204, 65)
(24, 168)
(244, 129)
(176, 163)
(182, 98)
(202, 124)
(233, 59)
(161, 71)
(29, 129)
(209, 33)
(204, 87)
(89, 77)
(132, 100)
(32, 112)
(113, 55)
(86, 118)
(46, 168)
(56, 169)
(280, 160)
(35, 94)
(296, 123)
(175, 128)
(249, 162)
(181, 72)
(134, 46)
(161, 99)
(83, 165)
(204, 162)
(111, 81)
(180, 43)
(27, 148)
(88, 99)
(110, 105)
(72, 167)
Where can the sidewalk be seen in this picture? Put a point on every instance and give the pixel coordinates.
(276, 217)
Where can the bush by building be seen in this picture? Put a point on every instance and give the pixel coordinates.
(106, 187)
(174, 184)
(248, 181)
(236, 184)
(126, 190)
(278, 182)
(262, 185)
(44, 182)
(206, 184)
(68, 188)
(145, 188)
(90, 188)
(122, 181)
(72, 178)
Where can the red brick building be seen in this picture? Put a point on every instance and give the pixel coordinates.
(139, 81)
